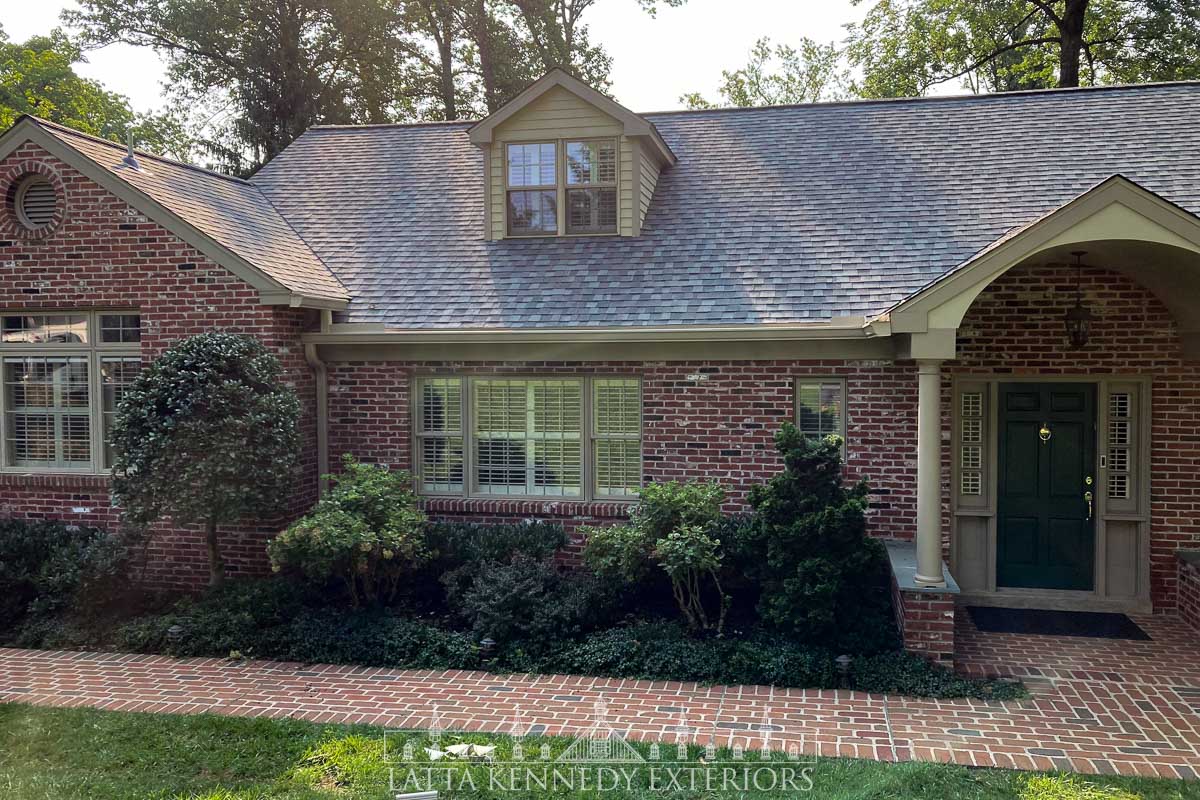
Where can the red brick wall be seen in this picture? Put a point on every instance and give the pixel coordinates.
(925, 618)
(106, 254)
(1189, 592)
(1015, 327)
(720, 428)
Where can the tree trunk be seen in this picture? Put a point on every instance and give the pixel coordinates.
(1070, 28)
(216, 564)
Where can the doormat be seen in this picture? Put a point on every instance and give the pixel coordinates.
(1056, 623)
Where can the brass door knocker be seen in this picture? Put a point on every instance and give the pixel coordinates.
(1044, 434)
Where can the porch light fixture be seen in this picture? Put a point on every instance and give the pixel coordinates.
(1078, 320)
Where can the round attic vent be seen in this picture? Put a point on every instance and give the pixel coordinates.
(36, 202)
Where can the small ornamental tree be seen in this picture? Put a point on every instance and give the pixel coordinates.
(207, 434)
(806, 546)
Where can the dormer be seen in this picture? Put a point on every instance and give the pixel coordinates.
(562, 159)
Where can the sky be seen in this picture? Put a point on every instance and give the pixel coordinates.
(655, 59)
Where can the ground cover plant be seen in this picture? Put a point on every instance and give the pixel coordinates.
(78, 754)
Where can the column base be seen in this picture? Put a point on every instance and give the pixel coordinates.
(924, 612)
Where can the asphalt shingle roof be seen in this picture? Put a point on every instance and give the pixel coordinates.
(789, 214)
(233, 212)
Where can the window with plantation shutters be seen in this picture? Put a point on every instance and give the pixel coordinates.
(62, 377)
(439, 434)
(571, 437)
(616, 437)
(820, 407)
(528, 437)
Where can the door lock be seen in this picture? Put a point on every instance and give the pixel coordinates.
(1088, 496)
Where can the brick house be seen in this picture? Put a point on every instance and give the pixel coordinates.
(995, 300)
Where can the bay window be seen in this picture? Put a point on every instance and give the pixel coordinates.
(61, 378)
(571, 437)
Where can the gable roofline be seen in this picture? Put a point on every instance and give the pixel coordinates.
(965, 281)
(271, 291)
(482, 132)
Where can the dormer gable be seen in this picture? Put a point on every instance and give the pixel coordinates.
(562, 159)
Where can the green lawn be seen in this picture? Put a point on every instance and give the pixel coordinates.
(83, 753)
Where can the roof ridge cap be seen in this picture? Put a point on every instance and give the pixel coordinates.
(963, 98)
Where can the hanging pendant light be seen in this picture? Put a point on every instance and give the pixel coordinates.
(1078, 320)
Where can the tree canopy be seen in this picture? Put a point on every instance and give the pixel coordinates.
(263, 71)
(779, 75)
(907, 48)
(37, 77)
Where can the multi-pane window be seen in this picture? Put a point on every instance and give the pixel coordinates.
(61, 379)
(1120, 445)
(533, 437)
(583, 187)
(532, 189)
(970, 437)
(592, 186)
(821, 408)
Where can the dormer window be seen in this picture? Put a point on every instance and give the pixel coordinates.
(585, 188)
(592, 186)
(562, 159)
(532, 189)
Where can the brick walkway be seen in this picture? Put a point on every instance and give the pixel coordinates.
(1098, 707)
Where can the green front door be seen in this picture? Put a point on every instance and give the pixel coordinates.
(1046, 532)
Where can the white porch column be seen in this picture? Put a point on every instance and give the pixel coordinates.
(929, 473)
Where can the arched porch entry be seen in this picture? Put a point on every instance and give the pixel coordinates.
(1057, 476)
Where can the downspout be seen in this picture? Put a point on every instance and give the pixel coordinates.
(321, 378)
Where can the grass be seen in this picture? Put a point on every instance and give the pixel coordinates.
(84, 753)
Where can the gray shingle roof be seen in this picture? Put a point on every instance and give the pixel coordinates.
(230, 211)
(789, 214)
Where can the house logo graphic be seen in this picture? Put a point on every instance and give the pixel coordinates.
(601, 743)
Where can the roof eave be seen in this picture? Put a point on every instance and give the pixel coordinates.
(271, 291)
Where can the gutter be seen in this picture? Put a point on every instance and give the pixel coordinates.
(840, 328)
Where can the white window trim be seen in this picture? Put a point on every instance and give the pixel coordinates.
(561, 186)
(94, 350)
(798, 380)
(588, 437)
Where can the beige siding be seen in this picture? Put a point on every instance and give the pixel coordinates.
(649, 179)
(559, 114)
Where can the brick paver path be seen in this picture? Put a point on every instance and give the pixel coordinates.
(1099, 706)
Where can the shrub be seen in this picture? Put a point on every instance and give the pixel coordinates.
(672, 527)
(47, 567)
(208, 433)
(528, 601)
(820, 576)
(906, 673)
(461, 551)
(665, 651)
(268, 619)
(365, 532)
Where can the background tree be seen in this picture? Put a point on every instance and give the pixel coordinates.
(780, 75)
(263, 71)
(905, 47)
(207, 434)
(37, 77)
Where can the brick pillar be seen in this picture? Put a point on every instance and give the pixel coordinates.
(924, 614)
(1189, 588)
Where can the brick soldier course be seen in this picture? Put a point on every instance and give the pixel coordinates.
(1098, 706)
